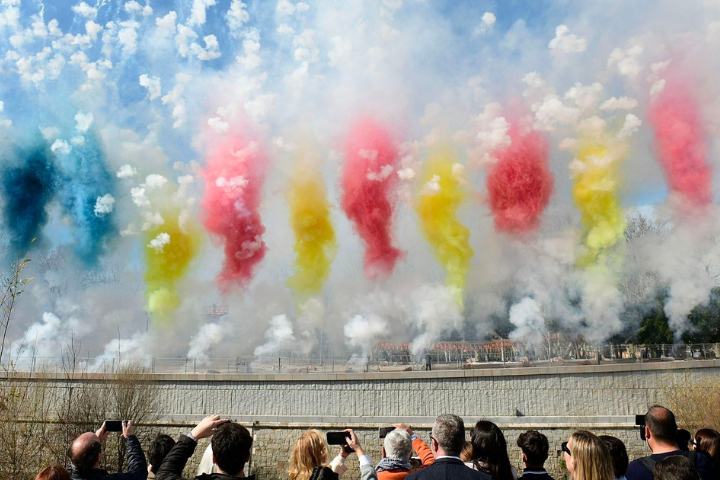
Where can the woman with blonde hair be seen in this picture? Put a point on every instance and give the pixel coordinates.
(309, 458)
(587, 457)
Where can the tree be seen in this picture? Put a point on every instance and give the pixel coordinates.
(11, 287)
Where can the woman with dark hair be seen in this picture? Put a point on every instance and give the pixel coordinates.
(159, 448)
(707, 441)
(618, 455)
(489, 451)
(56, 472)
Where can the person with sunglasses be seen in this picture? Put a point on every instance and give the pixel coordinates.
(587, 457)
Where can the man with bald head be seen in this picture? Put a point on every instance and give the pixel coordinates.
(661, 436)
(85, 456)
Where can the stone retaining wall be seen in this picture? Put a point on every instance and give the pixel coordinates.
(555, 400)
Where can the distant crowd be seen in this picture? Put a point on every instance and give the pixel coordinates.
(675, 454)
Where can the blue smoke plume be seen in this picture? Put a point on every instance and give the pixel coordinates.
(28, 184)
(85, 178)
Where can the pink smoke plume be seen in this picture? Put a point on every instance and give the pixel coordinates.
(520, 183)
(681, 142)
(368, 179)
(234, 173)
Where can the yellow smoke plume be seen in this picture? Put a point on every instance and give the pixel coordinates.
(595, 190)
(441, 195)
(314, 234)
(169, 249)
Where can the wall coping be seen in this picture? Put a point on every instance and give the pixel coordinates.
(491, 372)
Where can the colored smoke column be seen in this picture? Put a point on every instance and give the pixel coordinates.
(595, 191)
(681, 143)
(233, 180)
(87, 196)
(441, 196)
(28, 185)
(368, 179)
(169, 249)
(314, 233)
(520, 183)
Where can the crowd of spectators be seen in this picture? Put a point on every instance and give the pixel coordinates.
(449, 454)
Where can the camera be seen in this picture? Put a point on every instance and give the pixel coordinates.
(640, 422)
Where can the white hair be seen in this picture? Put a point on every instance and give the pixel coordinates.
(398, 445)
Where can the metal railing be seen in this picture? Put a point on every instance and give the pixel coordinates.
(451, 355)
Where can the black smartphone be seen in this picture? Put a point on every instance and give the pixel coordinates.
(339, 438)
(640, 422)
(383, 431)
(113, 425)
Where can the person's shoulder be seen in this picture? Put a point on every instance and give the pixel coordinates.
(480, 475)
(326, 473)
(637, 470)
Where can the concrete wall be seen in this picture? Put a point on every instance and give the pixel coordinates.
(555, 400)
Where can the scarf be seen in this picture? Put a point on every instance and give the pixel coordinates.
(393, 464)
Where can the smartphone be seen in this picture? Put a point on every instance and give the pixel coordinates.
(640, 422)
(339, 438)
(383, 431)
(113, 425)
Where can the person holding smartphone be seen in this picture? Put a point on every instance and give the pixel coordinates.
(85, 454)
(660, 433)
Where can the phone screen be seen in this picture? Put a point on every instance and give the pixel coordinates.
(113, 425)
(339, 438)
(383, 431)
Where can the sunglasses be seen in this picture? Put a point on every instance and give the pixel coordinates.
(564, 449)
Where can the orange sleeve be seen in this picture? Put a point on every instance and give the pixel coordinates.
(424, 452)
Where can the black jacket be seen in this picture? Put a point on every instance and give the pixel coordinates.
(174, 462)
(448, 469)
(137, 466)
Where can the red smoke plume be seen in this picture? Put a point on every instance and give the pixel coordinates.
(233, 181)
(520, 183)
(681, 143)
(368, 179)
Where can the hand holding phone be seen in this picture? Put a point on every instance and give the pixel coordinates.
(339, 438)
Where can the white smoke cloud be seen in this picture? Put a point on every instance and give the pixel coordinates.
(46, 340)
(152, 84)
(434, 311)
(84, 10)
(203, 342)
(120, 352)
(160, 241)
(361, 332)
(279, 337)
(619, 103)
(104, 205)
(566, 42)
(527, 317)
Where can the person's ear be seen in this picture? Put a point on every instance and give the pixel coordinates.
(648, 433)
(524, 457)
